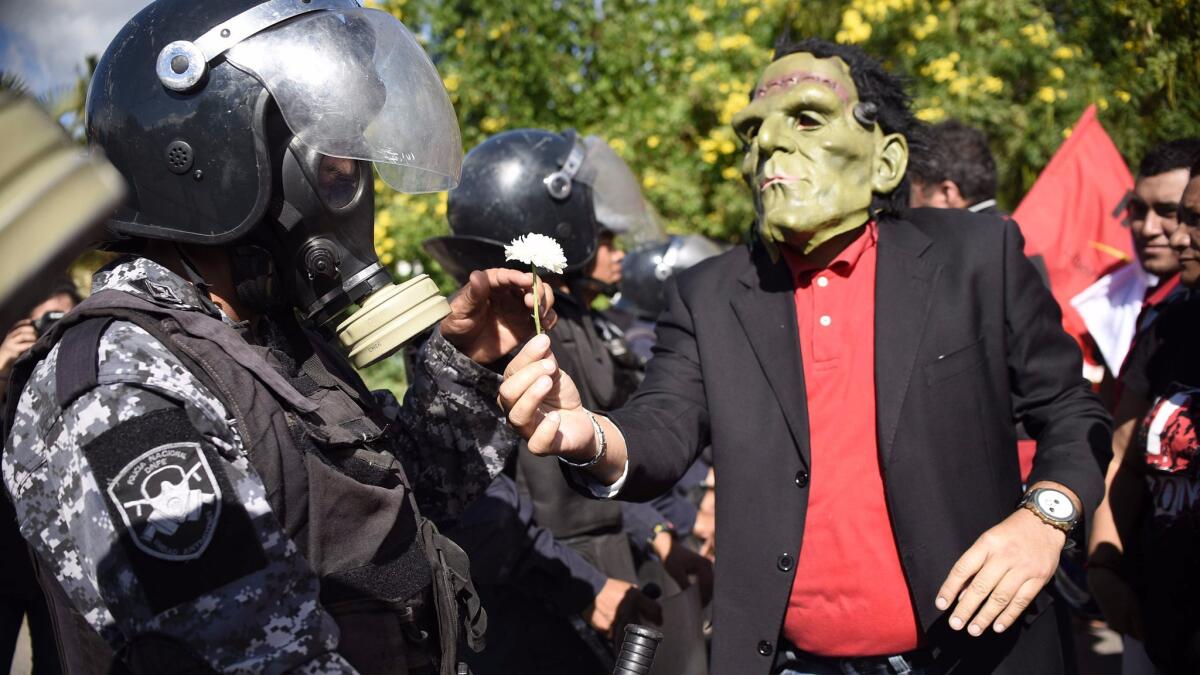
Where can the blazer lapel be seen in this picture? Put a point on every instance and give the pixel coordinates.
(904, 283)
(767, 311)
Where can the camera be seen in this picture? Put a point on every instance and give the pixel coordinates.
(45, 322)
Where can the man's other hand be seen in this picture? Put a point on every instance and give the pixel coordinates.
(619, 603)
(999, 576)
(493, 314)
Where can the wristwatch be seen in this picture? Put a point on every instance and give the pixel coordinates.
(1054, 507)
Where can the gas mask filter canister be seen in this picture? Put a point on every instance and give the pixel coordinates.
(389, 317)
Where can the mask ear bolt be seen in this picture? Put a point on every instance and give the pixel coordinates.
(865, 113)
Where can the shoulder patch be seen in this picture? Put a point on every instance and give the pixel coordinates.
(181, 527)
(169, 499)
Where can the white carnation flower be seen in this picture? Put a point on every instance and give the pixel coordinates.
(538, 250)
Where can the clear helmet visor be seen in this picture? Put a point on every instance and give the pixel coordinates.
(617, 196)
(355, 83)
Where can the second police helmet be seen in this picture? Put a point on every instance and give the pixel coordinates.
(526, 181)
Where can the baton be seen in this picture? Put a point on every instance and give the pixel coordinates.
(637, 651)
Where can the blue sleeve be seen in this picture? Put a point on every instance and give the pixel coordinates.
(508, 549)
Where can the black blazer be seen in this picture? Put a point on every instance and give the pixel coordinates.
(967, 340)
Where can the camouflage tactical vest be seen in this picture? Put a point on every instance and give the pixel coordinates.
(393, 584)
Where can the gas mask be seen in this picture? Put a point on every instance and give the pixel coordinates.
(329, 130)
(319, 259)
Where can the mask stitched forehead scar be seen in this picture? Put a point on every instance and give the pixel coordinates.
(790, 80)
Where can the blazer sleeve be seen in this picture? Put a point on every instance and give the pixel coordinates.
(666, 422)
(1049, 393)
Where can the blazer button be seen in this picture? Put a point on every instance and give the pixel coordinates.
(765, 648)
(784, 563)
(801, 478)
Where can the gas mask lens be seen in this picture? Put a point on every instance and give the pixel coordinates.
(337, 181)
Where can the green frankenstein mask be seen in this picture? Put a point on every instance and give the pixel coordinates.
(813, 162)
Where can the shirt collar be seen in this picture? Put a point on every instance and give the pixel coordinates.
(979, 206)
(843, 264)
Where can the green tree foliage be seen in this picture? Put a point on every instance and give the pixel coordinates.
(659, 79)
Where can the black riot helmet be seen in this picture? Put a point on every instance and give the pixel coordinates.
(646, 269)
(526, 181)
(253, 124)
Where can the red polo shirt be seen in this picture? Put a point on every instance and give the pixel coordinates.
(849, 596)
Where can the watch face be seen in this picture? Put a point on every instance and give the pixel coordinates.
(1055, 504)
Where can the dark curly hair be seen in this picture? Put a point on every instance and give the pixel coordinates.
(875, 84)
(959, 153)
(1181, 153)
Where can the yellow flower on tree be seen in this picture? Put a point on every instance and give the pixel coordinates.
(854, 29)
(928, 25)
(705, 41)
(492, 124)
(730, 173)
(731, 42)
(696, 14)
(1046, 94)
(751, 16)
(652, 142)
(451, 81)
(930, 114)
(1123, 95)
(992, 84)
(1037, 34)
(1063, 53)
(1058, 73)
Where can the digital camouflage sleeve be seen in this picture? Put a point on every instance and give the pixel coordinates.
(453, 438)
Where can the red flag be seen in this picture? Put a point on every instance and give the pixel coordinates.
(1070, 216)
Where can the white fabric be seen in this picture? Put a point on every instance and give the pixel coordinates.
(976, 208)
(600, 490)
(1110, 309)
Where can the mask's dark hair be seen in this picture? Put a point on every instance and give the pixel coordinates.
(1181, 153)
(875, 84)
(957, 153)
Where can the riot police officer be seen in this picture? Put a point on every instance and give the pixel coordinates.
(578, 191)
(205, 483)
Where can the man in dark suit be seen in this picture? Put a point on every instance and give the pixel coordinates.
(857, 369)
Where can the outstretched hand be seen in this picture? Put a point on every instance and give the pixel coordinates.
(543, 403)
(492, 314)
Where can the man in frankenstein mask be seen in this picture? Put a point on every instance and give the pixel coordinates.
(857, 369)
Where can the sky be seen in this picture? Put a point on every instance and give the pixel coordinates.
(45, 41)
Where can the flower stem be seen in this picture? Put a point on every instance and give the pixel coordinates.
(537, 303)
